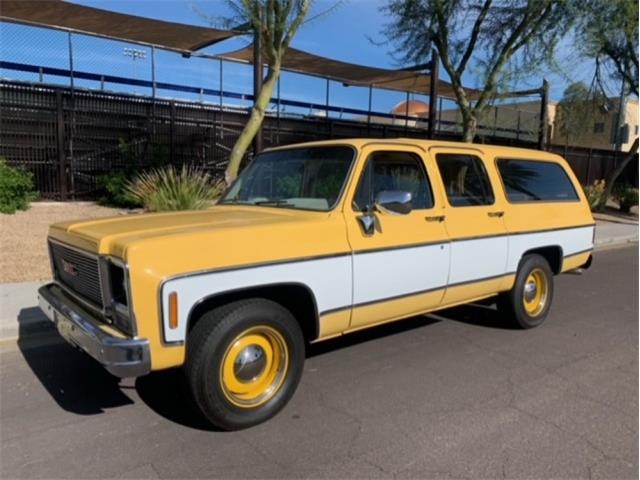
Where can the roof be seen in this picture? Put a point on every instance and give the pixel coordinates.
(425, 144)
(353, 74)
(94, 21)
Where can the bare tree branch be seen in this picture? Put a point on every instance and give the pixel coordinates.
(473, 39)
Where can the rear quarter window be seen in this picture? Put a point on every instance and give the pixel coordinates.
(535, 181)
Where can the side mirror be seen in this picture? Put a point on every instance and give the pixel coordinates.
(394, 202)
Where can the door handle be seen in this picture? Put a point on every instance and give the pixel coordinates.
(435, 218)
(496, 214)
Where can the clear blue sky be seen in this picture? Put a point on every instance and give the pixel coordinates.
(342, 34)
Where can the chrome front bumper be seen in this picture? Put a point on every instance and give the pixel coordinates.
(122, 357)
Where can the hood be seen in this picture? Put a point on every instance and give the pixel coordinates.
(111, 235)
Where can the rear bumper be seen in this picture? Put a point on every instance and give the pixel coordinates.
(122, 357)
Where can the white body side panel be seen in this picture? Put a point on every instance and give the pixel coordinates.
(571, 241)
(478, 258)
(376, 275)
(329, 279)
(392, 273)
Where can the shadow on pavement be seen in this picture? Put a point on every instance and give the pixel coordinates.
(369, 334)
(479, 315)
(166, 393)
(75, 381)
(80, 385)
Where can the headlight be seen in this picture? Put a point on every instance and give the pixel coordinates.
(117, 297)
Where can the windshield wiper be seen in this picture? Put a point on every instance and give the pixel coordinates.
(273, 202)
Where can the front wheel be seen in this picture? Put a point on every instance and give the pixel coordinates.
(244, 362)
(528, 302)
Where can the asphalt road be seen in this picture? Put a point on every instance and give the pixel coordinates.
(454, 395)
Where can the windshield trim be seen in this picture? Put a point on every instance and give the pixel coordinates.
(339, 198)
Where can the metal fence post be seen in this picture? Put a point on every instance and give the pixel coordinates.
(153, 93)
(73, 117)
(172, 132)
(60, 143)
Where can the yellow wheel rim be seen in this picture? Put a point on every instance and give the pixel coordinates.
(535, 292)
(254, 366)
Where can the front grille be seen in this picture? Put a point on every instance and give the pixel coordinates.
(77, 271)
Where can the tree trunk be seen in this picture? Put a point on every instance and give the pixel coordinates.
(252, 126)
(613, 176)
(469, 128)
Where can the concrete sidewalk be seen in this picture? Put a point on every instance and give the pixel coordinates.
(20, 315)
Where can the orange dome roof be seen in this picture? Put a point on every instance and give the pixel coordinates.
(412, 108)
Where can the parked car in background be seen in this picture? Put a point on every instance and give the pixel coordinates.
(311, 242)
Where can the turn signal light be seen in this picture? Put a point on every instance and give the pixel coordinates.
(173, 310)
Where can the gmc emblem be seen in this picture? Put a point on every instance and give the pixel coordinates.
(69, 268)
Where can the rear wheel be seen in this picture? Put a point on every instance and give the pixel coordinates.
(244, 362)
(527, 303)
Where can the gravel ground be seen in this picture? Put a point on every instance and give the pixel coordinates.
(23, 237)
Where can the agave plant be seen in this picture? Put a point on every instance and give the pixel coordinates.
(595, 193)
(170, 189)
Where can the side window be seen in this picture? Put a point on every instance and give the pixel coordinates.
(465, 179)
(530, 181)
(393, 171)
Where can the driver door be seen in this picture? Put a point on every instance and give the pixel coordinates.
(400, 268)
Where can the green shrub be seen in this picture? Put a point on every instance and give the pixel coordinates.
(16, 188)
(627, 197)
(115, 193)
(595, 193)
(168, 189)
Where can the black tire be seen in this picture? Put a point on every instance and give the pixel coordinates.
(209, 344)
(512, 304)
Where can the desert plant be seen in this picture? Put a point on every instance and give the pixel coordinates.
(114, 187)
(168, 189)
(16, 188)
(627, 197)
(595, 193)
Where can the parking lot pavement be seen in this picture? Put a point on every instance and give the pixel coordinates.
(453, 395)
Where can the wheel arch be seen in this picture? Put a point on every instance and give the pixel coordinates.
(553, 254)
(298, 298)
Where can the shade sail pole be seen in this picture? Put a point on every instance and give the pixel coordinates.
(326, 109)
(370, 102)
(257, 85)
(221, 73)
(406, 113)
(544, 115)
(433, 93)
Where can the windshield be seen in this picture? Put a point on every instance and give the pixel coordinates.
(303, 178)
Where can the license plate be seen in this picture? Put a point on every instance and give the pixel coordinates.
(65, 327)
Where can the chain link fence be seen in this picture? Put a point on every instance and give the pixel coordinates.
(76, 107)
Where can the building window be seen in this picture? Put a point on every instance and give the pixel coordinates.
(636, 130)
(598, 127)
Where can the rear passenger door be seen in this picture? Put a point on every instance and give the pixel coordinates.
(474, 220)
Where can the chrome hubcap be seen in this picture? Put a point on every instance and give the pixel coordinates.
(530, 291)
(250, 363)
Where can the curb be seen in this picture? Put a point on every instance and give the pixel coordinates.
(616, 242)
